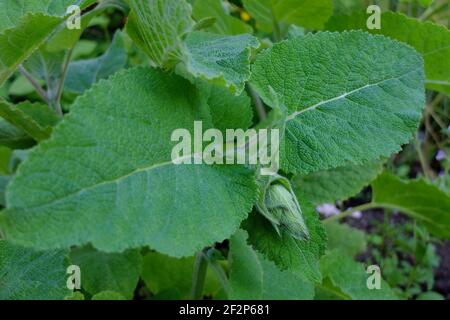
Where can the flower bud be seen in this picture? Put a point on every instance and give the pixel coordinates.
(280, 206)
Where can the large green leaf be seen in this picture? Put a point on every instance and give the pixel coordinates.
(335, 184)
(162, 273)
(17, 44)
(311, 14)
(225, 23)
(118, 272)
(224, 60)
(419, 199)
(157, 27)
(26, 274)
(347, 279)
(359, 99)
(82, 74)
(298, 256)
(429, 39)
(253, 277)
(112, 181)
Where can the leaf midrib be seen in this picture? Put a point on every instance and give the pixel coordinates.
(346, 94)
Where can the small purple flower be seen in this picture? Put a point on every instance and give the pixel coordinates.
(440, 155)
(357, 215)
(328, 209)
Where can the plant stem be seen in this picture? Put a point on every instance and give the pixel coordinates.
(423, 162)
(349, 212)
(199, 275)
(221, 275)
(62, 80)
(34, 83)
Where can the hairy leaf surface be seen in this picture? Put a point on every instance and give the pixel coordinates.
(220, 59)
(336, 184)
(351, 97)
(298, 256)
(112, 181)
(26, 274)
(429, 39)
(157, 27)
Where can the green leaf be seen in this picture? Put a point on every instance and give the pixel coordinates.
(5, 158)
(347, 279)
(33, 119)
(12, 137)
(66, 38)
(4, 180)
(430, 295)
(347, 6)
(311, 14)
(348, 240)
(12, 11)
(111, 166)
(227, 111)
(429, 39)
(161, 273)
(101, 271)
(223, 60)
(46, 67)
(108, 295)
(82, 74)
(253, 278)
(419, 199)
(158, 26)
(298, 256)
(26, 274)
(331, 122)
(336, 184)
(18, 44)
(225, 23)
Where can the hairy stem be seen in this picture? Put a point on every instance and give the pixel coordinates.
(199, 275)
(221, 275)
(422, 159)
(41, 92)
(62, 80)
